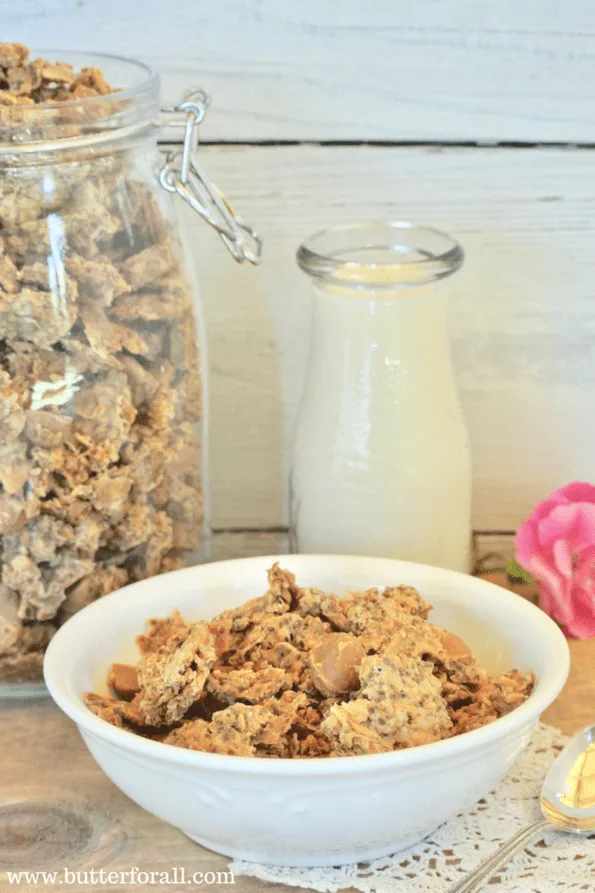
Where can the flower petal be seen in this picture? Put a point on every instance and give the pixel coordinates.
(546, 573)
(574, 523)
(548, 600)
(577, 491)
(584, 571)
(563, 557)
(557, 525)
(584, 533)
(525, 544)
(542, 509)
(582, 623)
(554, 590)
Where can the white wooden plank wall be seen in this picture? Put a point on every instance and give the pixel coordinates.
(523, 309)
(444, 70)
(516, 76)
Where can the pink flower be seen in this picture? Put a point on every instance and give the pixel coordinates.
(557, 546)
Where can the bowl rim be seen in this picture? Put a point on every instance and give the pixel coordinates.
(546, 690)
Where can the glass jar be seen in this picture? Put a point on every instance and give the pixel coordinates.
(380, 462)
(103, 454)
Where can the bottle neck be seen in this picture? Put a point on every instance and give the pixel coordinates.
(404, 323)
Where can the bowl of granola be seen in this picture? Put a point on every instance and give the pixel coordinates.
(339, 717)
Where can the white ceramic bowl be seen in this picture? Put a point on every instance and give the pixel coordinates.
(308, 812)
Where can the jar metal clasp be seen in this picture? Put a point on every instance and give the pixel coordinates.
(183, 174)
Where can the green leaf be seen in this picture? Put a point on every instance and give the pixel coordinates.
(516, 573)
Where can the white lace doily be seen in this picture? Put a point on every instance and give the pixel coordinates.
(560, 862)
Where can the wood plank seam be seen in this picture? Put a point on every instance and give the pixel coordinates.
(231, 530)
(281, 529)
(396, 144)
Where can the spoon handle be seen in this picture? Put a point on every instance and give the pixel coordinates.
(484, 872)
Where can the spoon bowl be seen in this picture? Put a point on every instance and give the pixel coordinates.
(568, 793)
(567, 804)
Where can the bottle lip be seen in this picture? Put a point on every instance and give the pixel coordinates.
(51, 126)
(380, 255)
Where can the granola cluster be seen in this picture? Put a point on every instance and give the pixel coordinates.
(100, 389)
(301, 673)
(25, 81)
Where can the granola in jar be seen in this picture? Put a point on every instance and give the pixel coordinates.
(101, 415)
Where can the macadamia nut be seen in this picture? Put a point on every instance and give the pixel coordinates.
(335, 662)
(452, 644)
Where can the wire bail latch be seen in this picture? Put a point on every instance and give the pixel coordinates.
(183, 174)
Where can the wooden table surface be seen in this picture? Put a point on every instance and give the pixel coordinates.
(57, 809)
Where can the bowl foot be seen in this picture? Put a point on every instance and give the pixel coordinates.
(321, 859)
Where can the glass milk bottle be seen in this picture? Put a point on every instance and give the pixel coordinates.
(380, 462)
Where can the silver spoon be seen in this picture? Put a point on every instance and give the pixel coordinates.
(567, 804)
